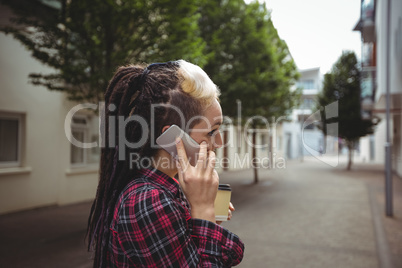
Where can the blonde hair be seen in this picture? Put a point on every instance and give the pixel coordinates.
(197, 83)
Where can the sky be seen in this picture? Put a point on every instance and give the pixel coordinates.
(317, 31)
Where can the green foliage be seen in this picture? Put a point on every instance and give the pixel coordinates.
(249, 60)
(86, 40)
(342, 84)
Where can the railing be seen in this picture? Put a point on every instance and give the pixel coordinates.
(368, 10)
(368, 57)
(368, 82)
(368, 85)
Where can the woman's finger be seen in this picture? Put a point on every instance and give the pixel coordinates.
(231, 207)
(181, 153)
(229, 215)
(211, 162)
(202, 154)
(180, 172)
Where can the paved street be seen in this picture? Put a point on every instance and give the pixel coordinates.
(306, 215)
(47, 237)
(312, 215)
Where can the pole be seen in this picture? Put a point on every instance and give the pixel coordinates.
(388, 151)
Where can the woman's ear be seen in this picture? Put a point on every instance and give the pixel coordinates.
(165, 128)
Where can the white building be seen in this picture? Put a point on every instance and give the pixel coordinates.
(38, 165)
(301, 137)
(373, 26)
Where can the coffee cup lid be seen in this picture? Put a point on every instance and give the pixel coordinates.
(224, 187)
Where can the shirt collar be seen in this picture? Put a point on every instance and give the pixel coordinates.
(158, 177)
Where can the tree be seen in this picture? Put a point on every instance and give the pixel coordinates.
(86, 40)
(250, 62)
(342, 84)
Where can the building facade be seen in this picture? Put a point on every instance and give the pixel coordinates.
(38, 164)
(376, 43)
(301, 137)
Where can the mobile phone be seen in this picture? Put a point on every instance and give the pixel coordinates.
(168, 142)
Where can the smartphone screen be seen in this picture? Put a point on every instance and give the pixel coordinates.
(168, 142)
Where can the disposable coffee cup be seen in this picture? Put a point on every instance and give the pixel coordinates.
(222, 201)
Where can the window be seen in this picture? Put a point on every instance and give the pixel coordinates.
(279, 143)
(368, 54)
(10, 139)
(264, 143)
(84, 129)
(368, 10)
(306, 84)
(307, 104)
(309, 126)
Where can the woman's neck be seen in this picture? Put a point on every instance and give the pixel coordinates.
(163, 162)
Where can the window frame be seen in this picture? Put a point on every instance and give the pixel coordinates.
(85, 129)
(20, 119)
(88, 131)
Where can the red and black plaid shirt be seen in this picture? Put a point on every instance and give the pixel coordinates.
(152, 227)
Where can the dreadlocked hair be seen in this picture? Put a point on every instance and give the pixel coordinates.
(133, 92)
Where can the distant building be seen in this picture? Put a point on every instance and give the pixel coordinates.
(301, 137)
(373, 28)
(287, 137)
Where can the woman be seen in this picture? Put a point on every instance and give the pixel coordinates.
(142, 216)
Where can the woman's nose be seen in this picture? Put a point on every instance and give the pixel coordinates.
(218, 140)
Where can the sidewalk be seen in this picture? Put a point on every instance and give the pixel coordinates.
(313, 215)
(306, 215)
(47, 237)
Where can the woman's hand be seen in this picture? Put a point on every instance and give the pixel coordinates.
(199, 183)
(231, 208)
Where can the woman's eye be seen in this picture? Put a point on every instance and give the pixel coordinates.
(211, 132)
